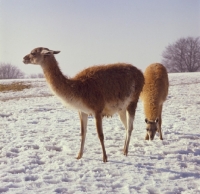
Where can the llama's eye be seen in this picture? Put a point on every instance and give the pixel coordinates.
(147, 129)
(33, 54)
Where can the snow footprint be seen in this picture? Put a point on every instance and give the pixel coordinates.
(31, 178)
(54, 148)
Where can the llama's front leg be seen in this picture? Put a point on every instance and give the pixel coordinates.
(159, 124)
(159, 128)
(98, 118)
(83, 119)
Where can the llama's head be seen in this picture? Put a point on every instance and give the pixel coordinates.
(151, 127)
(39, 55)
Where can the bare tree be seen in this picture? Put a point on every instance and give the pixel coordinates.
(8, 71)
(183, 55)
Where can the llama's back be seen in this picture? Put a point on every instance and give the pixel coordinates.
(156, 83)
(155, 90)
(117, 81)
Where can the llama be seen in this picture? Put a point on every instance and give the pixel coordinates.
(153, 95)
(98, 90)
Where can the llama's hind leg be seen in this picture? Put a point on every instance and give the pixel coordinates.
(83, 119)
(130, 114)
(123, 118)
(98, 118)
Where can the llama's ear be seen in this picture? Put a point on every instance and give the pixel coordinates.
(56, 52)
(46, 52)
(146, 120)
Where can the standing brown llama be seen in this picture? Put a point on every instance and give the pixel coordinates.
(98, 91)
(153, 95)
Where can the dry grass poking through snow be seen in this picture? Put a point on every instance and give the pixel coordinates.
(17, 86)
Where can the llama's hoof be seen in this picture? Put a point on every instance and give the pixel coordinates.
(105, 159)
(125, 152)
(79, 156)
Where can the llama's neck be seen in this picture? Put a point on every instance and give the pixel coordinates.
(151, 110)
(56, 80)
(67, 89)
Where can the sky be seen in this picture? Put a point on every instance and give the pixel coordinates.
(94, 32)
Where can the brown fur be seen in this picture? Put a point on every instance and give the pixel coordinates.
(99, 90)
(153, 95)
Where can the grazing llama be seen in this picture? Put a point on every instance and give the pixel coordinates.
(98, 91)
(153, 95)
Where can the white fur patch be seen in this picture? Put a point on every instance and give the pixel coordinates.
(73, 103)
(118, 106)
(77, 104)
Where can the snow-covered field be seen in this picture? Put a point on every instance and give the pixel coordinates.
(40, 139)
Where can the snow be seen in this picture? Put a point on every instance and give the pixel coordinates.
(40, 139)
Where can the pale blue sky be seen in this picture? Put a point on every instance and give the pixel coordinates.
(91, 32)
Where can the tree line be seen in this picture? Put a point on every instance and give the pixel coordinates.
(180, 56)
(8, 71)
